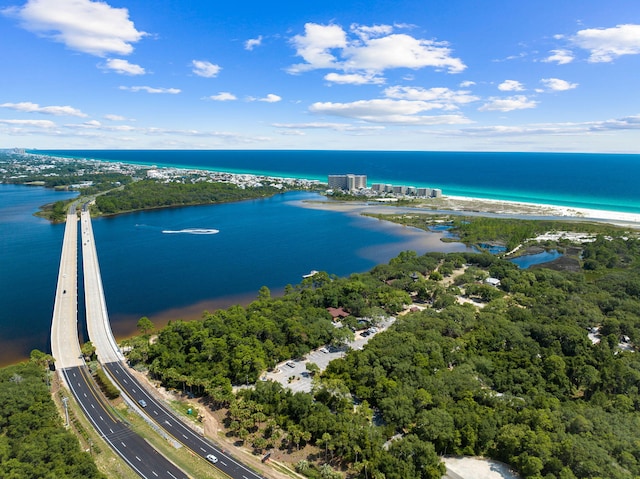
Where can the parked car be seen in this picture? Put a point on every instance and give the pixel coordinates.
(291, 364)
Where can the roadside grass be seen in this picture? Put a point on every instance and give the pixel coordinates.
(112, 465)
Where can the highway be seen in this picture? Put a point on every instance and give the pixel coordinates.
(65, 345)
(65, 348)
(98, 325)
(135, 451)
(166, 419)
(112, 361)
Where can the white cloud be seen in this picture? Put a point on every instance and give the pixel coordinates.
(354, 78)
(252, 43)
(443, 98)
(315, 45)
(148, 89)
(366, 32)
(271, 98)
(467, 84)
(557, 84)
(114, 117)
(29, 107)
(561, 129)
(518, 102)
(123, 67)
(82, 25)
(561, 57)
(387, 111)
(370, 50)
(205, 69)
(606, 44)
(222, 96)
(401, 51)
(511, 85)
(329, 126)
(34, 123)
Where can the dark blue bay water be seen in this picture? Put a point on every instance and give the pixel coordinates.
(146, 272)
(599, 181)
(29, 260)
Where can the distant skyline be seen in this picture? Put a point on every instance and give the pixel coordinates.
(426, 75)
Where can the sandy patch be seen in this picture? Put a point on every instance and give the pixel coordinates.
(477, 468)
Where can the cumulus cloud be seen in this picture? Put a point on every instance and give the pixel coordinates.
(205, 69)
(387, 111)
(561, 57)
(271, 98)
(82, 25)
(365, 32)
(467, 84)
(252, 43)
(442, 98)
(369, 50)
(28, 107)
(518, 102)
(557, 84)
(148, 89)
(607, 44)
(354, 78)
(222, 96)
(123, 67)
(510, 85)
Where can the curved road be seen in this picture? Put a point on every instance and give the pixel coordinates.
(65, 348)
(112, 360)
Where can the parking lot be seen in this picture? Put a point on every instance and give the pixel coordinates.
(293, 374)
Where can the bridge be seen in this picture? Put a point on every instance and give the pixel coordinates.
(65, 348)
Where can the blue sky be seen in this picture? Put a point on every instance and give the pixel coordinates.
(561, 75)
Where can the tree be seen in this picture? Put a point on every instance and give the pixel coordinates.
(145, 326)
(88, 350)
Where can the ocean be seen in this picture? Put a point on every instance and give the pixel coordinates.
(147, 272)
(583, 180)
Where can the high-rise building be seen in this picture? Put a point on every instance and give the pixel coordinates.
(347, 182)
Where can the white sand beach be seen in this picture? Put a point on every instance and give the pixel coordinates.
(483, 205)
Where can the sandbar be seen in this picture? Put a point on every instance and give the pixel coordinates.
(483, 206)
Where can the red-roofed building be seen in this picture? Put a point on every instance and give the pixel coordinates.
(337, 313)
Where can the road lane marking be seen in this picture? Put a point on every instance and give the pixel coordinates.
(154, 473)
(174, 477)
(138, 459)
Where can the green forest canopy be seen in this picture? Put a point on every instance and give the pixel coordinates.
(517, 380)
(33, 442)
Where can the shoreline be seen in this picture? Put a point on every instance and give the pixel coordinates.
(489, 207)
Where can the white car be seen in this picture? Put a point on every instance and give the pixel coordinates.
(212, 458)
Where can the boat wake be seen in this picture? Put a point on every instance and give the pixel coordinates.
(193, 231)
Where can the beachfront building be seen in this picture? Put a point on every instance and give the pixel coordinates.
(347, 182)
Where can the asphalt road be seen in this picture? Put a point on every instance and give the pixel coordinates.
(135, 451)
(165, 418)
(111, 358)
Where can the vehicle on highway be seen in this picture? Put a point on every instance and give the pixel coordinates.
(142, 403)
(211, 458)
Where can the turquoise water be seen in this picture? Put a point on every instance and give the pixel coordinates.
(599, 181)
(269, 242)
